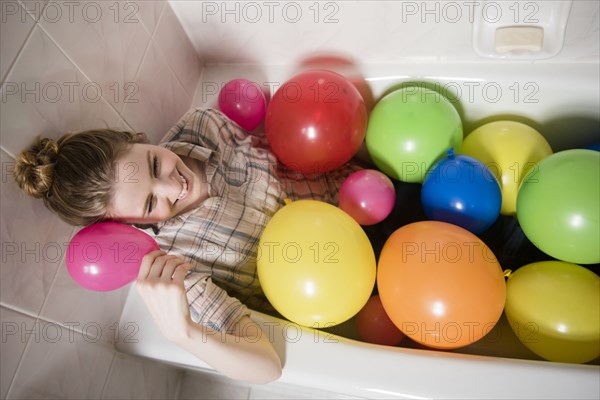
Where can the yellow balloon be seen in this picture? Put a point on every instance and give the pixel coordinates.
(315, 264)
(554, 309)
(509, 149)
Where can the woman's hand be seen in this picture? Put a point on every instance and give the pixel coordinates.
(160, 284)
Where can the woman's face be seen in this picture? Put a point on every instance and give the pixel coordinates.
(153, 184)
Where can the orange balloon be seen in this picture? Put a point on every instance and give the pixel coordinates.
(440, 284)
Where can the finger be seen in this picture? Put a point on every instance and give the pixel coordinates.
(147, 262)
(181, 272)
(159, 264)
(169, 268)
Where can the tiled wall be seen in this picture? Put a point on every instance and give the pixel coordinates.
(372, 32)
(71, 66)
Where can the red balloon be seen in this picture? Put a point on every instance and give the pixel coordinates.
(316, 122)
(348, 69)
(107, 255)
(374, 325)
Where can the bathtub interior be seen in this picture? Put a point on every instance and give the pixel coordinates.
(564, 109)
(382, 48)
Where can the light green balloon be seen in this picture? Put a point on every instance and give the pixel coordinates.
(558, 206)
(409, 130)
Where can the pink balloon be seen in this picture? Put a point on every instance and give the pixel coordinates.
(107, 255)
(243, 102)
(368, 196)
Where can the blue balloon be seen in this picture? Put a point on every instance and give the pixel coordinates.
(594, 146)
(462, 191)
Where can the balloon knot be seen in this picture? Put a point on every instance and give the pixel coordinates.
(507, 273)
(287, 201)
(451, 152)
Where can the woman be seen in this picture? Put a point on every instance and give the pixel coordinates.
(205, 194)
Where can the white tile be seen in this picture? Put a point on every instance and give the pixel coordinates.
(149, 12)
(211, 386)
(179, 53)
(214, 77)
(137, 378)
(279, 33)
(35, 8)
(48, 98)
(162, 99)
(105, 39)
(71, 305)
(33, 242)
(60, 363)
(14, 339)
(15, 26)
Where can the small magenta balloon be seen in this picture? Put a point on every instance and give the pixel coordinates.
(368, 196)
(107, 255)
(243, 102)
(462, 191)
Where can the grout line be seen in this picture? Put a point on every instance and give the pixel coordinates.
(151, 35)
(55, 278)
(151, 32)
(36, 321)
(162, 16)
(108, 374)
(197, 89)
(86, 77)
(139, 68)
(17, 310)
(78, 69)
(179, 383)
(12, 379)
(29, 34)
(10, 154)
(20, 363)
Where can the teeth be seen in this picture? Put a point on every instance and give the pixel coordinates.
(184, 187)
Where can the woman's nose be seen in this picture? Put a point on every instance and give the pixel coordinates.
(169, 188)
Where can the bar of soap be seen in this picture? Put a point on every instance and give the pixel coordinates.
(519, 38)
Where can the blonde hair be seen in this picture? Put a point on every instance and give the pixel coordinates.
(75, 174)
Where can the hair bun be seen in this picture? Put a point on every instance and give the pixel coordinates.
(34, 168)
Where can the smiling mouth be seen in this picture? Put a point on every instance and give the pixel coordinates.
(184, 187)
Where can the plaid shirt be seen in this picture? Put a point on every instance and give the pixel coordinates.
(220, 238)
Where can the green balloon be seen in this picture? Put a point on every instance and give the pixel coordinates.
(409, 130)
(558, 206)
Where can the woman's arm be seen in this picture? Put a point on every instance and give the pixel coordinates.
(246, 354)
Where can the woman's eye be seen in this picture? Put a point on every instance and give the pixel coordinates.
(151, 204)
(155, 166)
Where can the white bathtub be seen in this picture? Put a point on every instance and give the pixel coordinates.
(559, 96)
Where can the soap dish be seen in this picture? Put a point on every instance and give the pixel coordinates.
(520, 30)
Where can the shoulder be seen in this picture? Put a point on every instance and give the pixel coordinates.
(207, 127)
